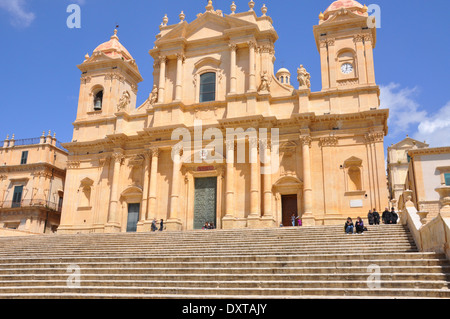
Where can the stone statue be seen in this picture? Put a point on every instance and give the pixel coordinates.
(265, 82)
(124, 101)
(153, 98)
(304, 78)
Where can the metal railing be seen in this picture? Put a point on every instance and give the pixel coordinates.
(31, 203)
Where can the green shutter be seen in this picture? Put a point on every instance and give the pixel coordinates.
(447, 179)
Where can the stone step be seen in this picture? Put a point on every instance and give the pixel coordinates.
(354, 276)
(342, 284)
(219, 258)
(237, 270)
(295, 292)
(236, 264)
(215, 252)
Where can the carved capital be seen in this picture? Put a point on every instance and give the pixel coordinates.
(305, 140)
(374, 137)
(251, 44)
(73, 164)
(233, 46)
(230, 145)
(358, 38)
(162, 59)
(155, 152)
(329, 141)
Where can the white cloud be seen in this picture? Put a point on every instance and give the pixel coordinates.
(406, 116)
(435, 129)
(20, 17)
(404, 110)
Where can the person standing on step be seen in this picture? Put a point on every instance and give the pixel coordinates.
(349, 226)
(154, 228)
(299, 222)
(293, 218)
(394, 216)
(386, 216)
(359, 225)
(371, 218)
(161, 225)
(376, 217)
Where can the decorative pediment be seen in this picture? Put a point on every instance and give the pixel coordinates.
(353, 161)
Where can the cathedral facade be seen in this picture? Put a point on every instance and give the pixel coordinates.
(223, 138)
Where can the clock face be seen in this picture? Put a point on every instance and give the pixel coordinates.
(347, 68)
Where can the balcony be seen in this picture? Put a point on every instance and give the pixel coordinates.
(28, 204)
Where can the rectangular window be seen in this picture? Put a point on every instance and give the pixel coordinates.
(208, 87)
(17, 196)
(24, 158)
(447, 179)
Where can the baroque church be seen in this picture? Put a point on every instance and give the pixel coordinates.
(125, 168)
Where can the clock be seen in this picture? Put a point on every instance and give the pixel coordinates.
(347, 68)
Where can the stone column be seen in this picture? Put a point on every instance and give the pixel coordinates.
(307, 218)
(332, 62)
(153, 182)
(268, 218)
(162, 78)
(233, 80)
(144, 203)
(252, 72)
(179, 80)
(361, 56)
(255, 212)
(324, 64)
(368, 48)
(229, 218)
(113, 224)
(174, 223)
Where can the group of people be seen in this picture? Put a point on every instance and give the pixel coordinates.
(209, 226)
(161, 225)
(388, 217)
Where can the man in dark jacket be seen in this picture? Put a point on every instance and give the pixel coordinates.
(386, 216)
(371, 218)
(376, 217)
(394, 216)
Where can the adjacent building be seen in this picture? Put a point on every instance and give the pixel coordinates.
(428, 175)
(223, 138)
(398, 162)
(32, 178)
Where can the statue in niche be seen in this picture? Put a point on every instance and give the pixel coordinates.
(124, 101)
(153, 98)
(303, 77)
(265, 82)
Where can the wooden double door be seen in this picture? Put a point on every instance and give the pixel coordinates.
(289, 207)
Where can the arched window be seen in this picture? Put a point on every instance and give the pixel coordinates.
(353, 169)
(208, 87)
(98, 101)
(354, 178)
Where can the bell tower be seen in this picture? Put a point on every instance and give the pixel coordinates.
(345, 38)
(109, 82)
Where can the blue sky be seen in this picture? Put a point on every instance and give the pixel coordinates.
(40, 81)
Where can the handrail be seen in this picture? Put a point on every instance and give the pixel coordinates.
(31, 203)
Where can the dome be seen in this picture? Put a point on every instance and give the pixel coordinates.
(283, 70)
(114, 49)
(344, 4)
(351, 5)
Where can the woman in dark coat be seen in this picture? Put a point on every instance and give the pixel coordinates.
(376, 217)
(359, 225)
(370, 218)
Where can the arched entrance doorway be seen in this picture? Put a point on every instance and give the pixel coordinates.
(288, 192)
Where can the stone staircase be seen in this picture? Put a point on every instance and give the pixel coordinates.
(308, 262)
